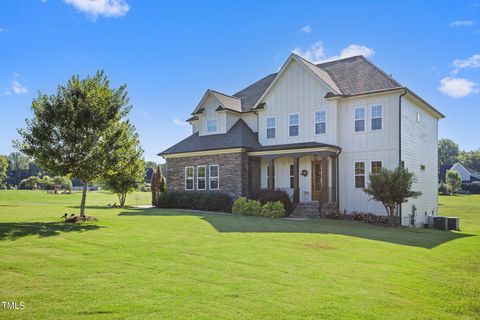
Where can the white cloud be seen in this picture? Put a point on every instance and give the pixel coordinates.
(306, 29)
(461, 23)
(471, 62)
(179, 122)
(15, 87)
(95, 8)
(457, 87)
(316, 52)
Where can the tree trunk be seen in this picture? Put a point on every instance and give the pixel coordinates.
(391, 217)
(122, 198)
(84, 197)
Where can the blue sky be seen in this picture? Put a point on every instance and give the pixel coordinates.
(169, 53)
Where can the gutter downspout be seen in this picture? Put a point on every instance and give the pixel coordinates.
(400, 140)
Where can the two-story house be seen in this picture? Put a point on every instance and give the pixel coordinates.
(314, 130)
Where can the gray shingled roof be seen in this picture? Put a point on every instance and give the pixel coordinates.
(250, 95)
(354, 75)
(239, 136)
(357, 75)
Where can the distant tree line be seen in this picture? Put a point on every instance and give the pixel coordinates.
(449, 153)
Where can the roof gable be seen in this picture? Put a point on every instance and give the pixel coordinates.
(226, 101)
(319, 74)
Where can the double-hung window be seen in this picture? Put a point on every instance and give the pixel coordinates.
(214, 176)
(293, 125)
(320, 122)
(377, 117)
(212, 126)
(271, 127)
(360, 119)
(360, 175)
(376, 167)
(201, 178)
(189, 185)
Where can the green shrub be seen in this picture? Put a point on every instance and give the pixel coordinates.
(208, 201)
(444, 189)
(247, 207)
(273, 210)
(267, 195)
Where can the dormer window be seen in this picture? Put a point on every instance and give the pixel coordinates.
(212, 126)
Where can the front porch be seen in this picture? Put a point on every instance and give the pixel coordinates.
(307, 175)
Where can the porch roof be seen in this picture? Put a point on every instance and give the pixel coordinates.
(297, 149)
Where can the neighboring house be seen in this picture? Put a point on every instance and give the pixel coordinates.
(467, 174)
(314, 130)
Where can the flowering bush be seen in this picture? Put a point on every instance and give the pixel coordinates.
(366, 217)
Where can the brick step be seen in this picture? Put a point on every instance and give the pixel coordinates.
(305, 209)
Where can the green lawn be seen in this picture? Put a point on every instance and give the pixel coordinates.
(158, 264)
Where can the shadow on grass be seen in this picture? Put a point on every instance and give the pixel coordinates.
(424, 238)
(15, 230)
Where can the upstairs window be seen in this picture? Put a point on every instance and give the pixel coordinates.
(271, 127)
(214, 177)
(212, 126)
(376, 167)
(201, 178)
(360, 119)
(360, 175)
(377, 117)
(320, 122)
(188, 178)
(293, 125)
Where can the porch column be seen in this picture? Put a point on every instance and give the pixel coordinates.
(271, 163)
(296, 188)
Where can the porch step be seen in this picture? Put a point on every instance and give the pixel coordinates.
(306, 210)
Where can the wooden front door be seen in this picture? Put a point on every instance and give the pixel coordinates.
(319, 180)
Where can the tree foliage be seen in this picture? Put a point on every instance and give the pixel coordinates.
(3, 168)
(470, 159)
(392, 188)
(454, 180)
(128, 167)
(75, 131)
(448, 151)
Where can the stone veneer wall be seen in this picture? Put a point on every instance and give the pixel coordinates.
(233, 168)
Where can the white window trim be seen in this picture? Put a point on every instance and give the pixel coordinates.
(288, 120)
(364, 119)
(216, 126)
(210, 176)
(204, 178)
(371, 116)
(364, 174)
(315, 122)
(266, 127)
(192, 178)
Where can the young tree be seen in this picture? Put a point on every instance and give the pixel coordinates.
(75, 131)
(158, 184)
(454, 180)
(392, 188)
(128, 167)
(447, 151)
